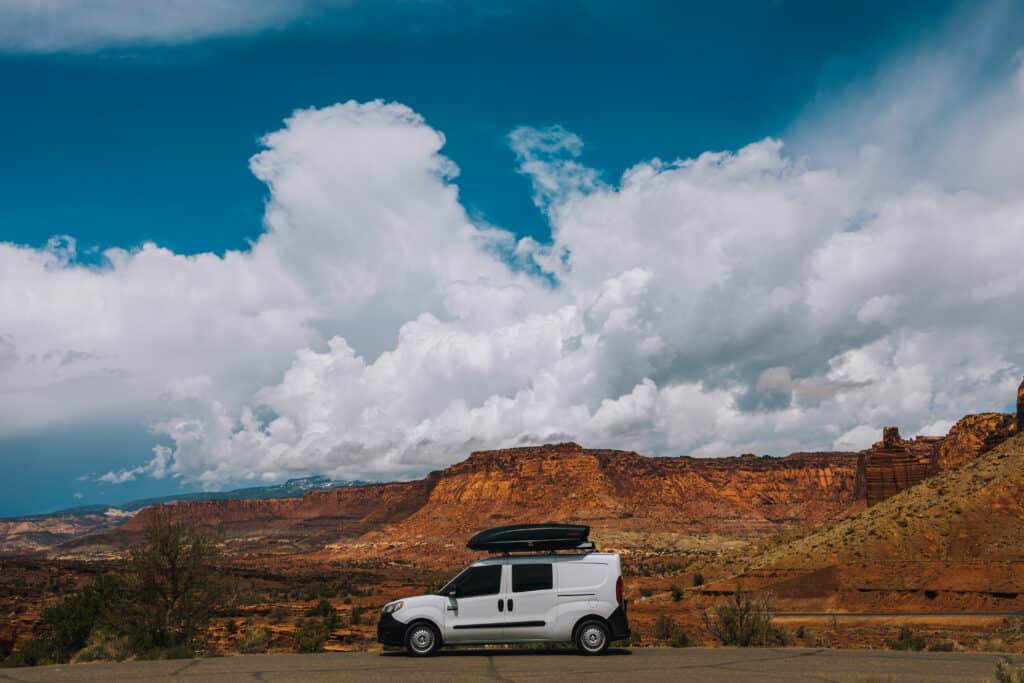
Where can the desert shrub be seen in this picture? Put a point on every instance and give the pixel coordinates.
(1013, 628)
(104, 646)
(35, 652)
(680, 639)
(70, 623)
(941, 646)
(666, 629)
(1007, 674)
(356, 617)
(279, 614)
(646, 592)
(698, 579)
(310, 635)
(325, 610)
(254, 640)
(744, 620)
(231, 627)
(677, 593)
(906, 640)
(173, 583)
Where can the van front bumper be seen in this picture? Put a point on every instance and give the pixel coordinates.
(390, 631)
(619, 623)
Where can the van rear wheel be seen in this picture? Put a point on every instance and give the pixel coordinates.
(592, 637)
(422, 640)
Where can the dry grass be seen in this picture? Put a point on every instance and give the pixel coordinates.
(970, 512)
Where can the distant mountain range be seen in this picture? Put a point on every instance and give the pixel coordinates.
(289, 489)
(33, 533)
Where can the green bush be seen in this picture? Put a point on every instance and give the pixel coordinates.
(104, 646)
(326, 611)
(941, 646)
(231, 627)
(1007, 674)
(665, 629)
(744, 620)
(907, 641)
(677, 593)
(279, 615)
(35, 652)
(356, 617)
(698, 579)
(254, 640)
(71, 621)
(310, 635)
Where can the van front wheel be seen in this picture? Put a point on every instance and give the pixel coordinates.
(421, 640)
(592, 637)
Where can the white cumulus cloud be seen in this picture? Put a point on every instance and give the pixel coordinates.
(746, 300)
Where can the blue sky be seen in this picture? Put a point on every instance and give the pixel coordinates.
(122, 145)
(119, 141)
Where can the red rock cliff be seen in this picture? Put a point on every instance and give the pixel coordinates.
(973, 435)
(624, 490)
(609, 489)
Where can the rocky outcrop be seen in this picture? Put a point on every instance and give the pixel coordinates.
(1020, 408)
(973, 435)
(894, 464)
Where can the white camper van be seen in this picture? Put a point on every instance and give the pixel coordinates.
(536, 595)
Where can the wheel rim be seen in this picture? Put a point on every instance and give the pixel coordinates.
(592, 638)
(421, 639)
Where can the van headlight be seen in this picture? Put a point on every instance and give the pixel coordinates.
(393, 607)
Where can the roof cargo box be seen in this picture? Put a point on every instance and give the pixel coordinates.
(521, 537)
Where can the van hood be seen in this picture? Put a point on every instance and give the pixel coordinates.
(421, 601)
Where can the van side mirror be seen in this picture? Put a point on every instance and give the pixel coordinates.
(453, 593)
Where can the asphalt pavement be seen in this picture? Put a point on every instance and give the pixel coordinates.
(711, 665)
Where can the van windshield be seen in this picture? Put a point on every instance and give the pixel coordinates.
(447, 588)
(475, 581)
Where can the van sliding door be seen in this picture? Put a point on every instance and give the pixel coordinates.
(529, 612)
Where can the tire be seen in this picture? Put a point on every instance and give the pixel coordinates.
(422, 639)
(592, 637)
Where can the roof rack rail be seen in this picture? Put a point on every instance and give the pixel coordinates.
(532, 538)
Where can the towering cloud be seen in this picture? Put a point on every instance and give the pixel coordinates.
(736, 301)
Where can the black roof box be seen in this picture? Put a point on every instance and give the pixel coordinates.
(520, 537)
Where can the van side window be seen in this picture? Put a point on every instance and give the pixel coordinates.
(531, 577)
(476, 581)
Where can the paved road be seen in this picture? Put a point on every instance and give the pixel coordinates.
(899, 615)
(717, 665)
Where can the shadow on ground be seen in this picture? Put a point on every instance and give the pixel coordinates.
(511, 652)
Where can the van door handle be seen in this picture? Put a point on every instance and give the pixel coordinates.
(510, 604)
(501, 605)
